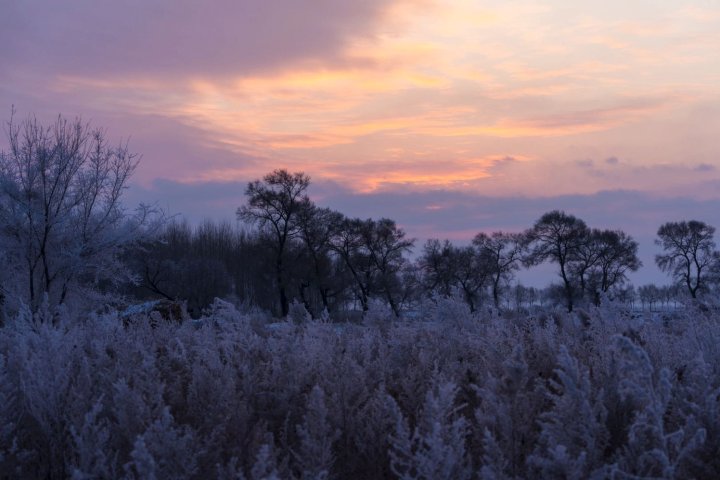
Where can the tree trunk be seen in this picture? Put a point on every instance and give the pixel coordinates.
(393, 306)
(305, 301)
(284, 304)
(496, 292)
(324, 297)
(568, 288)
(469, 298)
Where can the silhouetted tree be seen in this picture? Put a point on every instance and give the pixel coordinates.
(502, 253)
(448, 267)
(557, 237)
(619, 255)
(605, 259)
(585, 258)
(274, 204)
(472, 269)
(437, 263)
(195, 265)
(317, 226)
(348, 243)
(158, 262)
(689, 252)
(372, 252)
(649, 295)
(385, 243)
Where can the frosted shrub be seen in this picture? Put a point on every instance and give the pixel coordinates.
(446, 394)
(298, 314)
(91, 446)
(378, 315)
(508, 409)
(314, 455)
(572, 438)
(451, 311)
(165, 450)
(220, 311)
(654, 448)
(436, 447)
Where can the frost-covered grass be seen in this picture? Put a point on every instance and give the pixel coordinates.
(448, 395)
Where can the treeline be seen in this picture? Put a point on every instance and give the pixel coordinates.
(294, 250)
(66, 240)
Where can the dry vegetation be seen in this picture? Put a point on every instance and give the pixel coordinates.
(451, 394)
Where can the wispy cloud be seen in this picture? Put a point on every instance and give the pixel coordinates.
(383, 94)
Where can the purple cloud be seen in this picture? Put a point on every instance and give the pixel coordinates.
(704, 167)
(182, 36)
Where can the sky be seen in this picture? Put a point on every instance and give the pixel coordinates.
(451, 117)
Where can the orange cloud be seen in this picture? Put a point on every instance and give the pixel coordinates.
(431, 96)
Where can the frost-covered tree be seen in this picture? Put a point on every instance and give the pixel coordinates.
(61, 217)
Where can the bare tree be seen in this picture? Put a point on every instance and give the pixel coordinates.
(275, 204)
(617, 255)
(385, 243)
(189, 265)
(372, 251)
(585, 258)
(557, 237)
(503, 252)
(437, 264)
(472, 269)
(317, 226)
(602, 261)
(689, 252)
(348, 244)
(649, 294)
(448, 267)
(60, 207)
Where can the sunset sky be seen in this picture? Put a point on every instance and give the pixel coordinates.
(450, 117)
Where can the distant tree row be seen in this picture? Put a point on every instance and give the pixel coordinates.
(591, 262)
(65, 239)
(338, 253)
